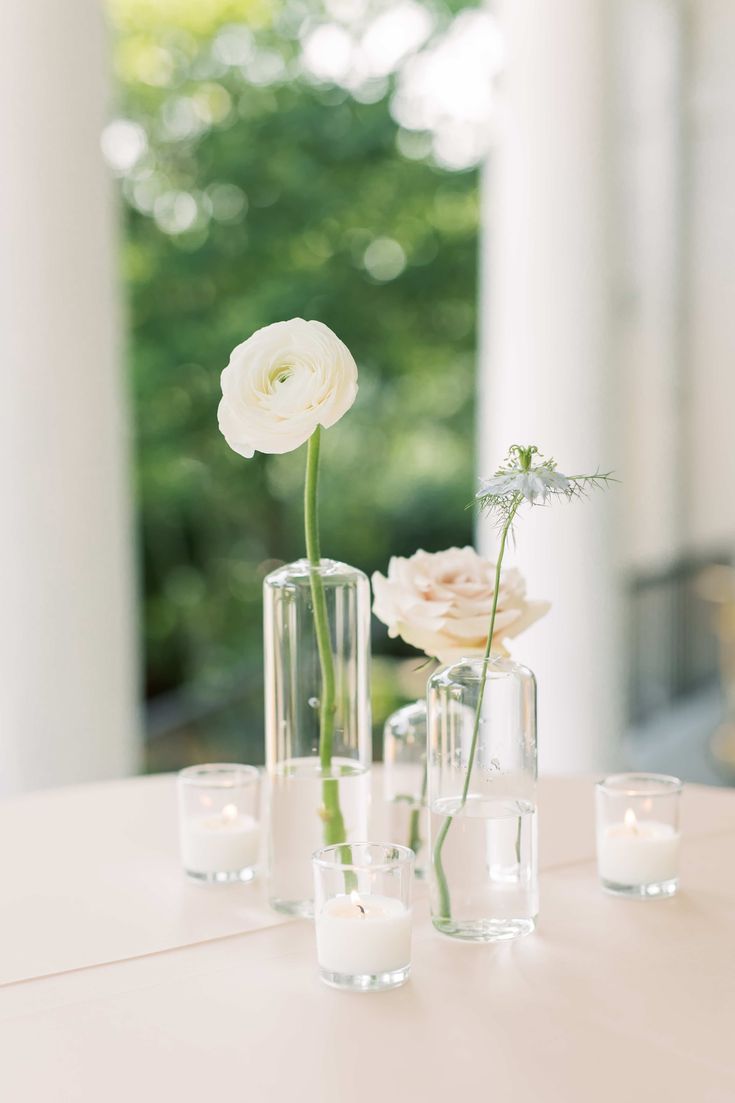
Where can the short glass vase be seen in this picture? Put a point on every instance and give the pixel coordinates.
(482, 800)
(316, 799)
(363, 915)
(638, 837)
(219, 821)
(404, 780)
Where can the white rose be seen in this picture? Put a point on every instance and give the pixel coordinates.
(441, 603)
(282, 383)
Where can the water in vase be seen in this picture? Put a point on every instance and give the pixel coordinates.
(297, 827)
(408, 824)
(490, 864)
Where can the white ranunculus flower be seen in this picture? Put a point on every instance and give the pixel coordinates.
(441, 603)
(282, 383)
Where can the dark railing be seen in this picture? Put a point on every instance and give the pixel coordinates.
(673, 650)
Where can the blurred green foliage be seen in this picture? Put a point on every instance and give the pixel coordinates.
(252, 196)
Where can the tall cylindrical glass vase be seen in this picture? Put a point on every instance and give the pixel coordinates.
(317, 706)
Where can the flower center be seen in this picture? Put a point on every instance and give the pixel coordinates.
(280, 373)
(524, 455)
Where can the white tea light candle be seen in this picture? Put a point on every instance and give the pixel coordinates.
(633, 853)
(358, 935)
(219, 831)
(638, 838)
(228, 842)
(363, 915)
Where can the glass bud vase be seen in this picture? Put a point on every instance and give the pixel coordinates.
(318, 733)
(404, 780)
(482, 799)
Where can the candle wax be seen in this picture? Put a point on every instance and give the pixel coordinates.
(219, 844)
(644, 854)
(356, 943)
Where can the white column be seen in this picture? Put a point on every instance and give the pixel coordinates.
(711, 393)
(651, 249)
(67, 678)
(547, 375)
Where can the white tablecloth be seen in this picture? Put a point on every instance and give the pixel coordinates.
(122, 981)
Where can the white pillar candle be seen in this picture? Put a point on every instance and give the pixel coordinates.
(223, 843)
(359, 935)
(638, 852)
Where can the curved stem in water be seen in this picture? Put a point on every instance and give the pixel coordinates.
(414, 825)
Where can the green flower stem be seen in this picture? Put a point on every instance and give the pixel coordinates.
(414, 824)
(331, 813)
(445, 905)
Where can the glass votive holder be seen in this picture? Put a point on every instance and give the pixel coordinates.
(638, 838)
(362, 910)
(219, 828)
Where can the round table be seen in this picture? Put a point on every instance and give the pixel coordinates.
(120, 980)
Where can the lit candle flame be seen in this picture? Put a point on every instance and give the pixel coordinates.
(229, 813)
(355, 899)
(631, 823)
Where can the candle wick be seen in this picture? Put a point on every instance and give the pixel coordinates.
(361, 909)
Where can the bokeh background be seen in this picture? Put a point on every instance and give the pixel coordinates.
(519, 219)
(266, 175)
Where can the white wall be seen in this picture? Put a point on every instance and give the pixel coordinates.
(67, 670)
(650, 278)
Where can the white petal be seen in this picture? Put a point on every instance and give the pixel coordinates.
(282, 382)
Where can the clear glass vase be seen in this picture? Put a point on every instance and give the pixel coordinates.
(318, 734)
(363, 915)
(482, 799)
(404, 786)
